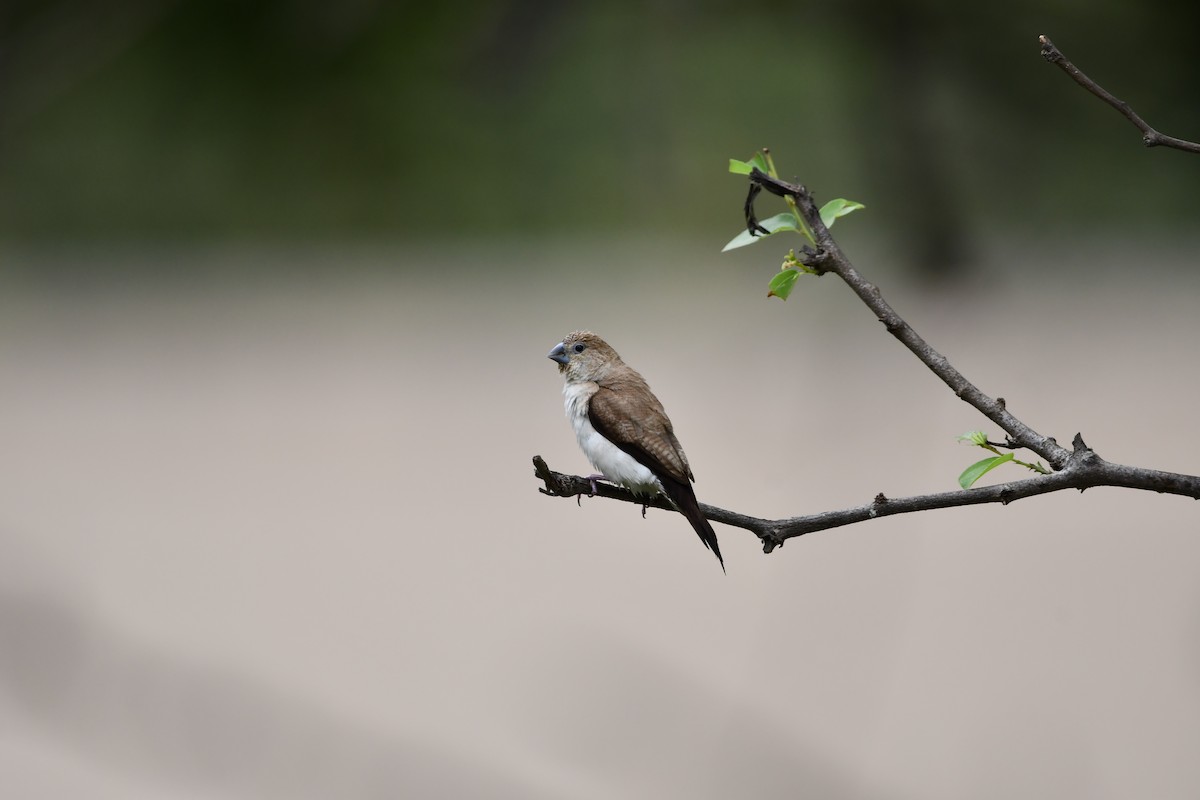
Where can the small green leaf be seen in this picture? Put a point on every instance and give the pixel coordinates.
(740, 167)
(782, 284)
(981, 468)
(741, 240)
(777, 223)
(974, 437)
(838, 208)
(744, 167)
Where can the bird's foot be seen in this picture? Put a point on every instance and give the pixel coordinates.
(644, 507)
(591, 479)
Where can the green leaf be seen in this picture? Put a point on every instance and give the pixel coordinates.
(744, 167)
(740, 167)
(981, 468)
(777, 223)
(782, 284)
(838, 208)
(974, 437)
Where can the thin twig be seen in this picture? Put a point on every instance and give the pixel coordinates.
(1150, 136)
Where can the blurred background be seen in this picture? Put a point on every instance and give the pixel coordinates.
(277, 281)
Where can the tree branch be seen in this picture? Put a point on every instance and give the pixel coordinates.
(560, 485)
(1150, 137)
(1084, 470)
(829, 258)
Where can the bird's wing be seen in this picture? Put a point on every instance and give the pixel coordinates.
(630, 416)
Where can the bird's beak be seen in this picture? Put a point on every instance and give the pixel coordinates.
(559, 354)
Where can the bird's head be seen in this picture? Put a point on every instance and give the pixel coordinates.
(584, 356)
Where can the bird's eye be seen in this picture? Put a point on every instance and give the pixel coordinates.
(579, 348)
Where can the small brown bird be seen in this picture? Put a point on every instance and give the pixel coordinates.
(623, 429)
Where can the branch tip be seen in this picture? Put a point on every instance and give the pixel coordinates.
(1150, 137)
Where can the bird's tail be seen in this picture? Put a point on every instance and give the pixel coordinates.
(684, 498)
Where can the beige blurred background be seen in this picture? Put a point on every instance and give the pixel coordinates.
(277, 282)
(281, 538)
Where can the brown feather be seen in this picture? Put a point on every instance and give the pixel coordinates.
(684, 498)
(631, 417)
(626, 413)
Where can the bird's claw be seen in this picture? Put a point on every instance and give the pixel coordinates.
(591, 479)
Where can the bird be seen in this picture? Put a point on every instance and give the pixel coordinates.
(623, 429)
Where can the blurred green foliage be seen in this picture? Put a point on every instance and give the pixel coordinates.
(216, 119)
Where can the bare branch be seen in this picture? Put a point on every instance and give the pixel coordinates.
(1150, 137)
(1084, 470)
(560, 485)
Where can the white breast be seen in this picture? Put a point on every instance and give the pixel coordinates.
(616, 465)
